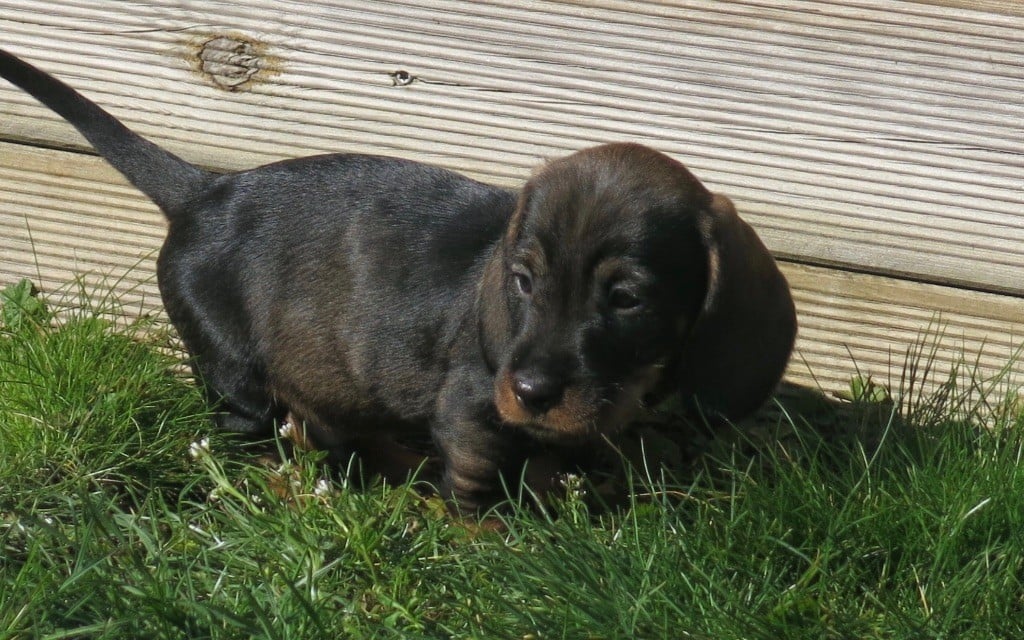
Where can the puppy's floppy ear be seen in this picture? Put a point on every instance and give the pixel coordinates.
(494, 316)
(742, 339)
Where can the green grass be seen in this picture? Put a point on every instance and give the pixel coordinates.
(899, 520)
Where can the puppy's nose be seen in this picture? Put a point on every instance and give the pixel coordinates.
(536, 391)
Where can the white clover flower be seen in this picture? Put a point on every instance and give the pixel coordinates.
(323, 487)
(199, 448)
(573, 485)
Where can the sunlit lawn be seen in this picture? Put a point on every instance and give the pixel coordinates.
(905, 522)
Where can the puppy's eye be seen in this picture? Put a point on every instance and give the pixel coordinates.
(623, 299)
(523, 282)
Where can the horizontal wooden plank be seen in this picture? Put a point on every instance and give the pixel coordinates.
(1010, 7)
(878, 327)
(64, 215)
(883, 136)
(67, 217)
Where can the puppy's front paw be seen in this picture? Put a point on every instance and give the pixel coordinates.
(471, 496)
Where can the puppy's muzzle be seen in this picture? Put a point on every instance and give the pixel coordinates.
(553, 407)
(545, 404)
(536, 391)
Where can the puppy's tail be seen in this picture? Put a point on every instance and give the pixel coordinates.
(165, 178)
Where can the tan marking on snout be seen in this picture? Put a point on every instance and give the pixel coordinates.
(509, 408)
(628, 402)
(577, 415)
(573, 416)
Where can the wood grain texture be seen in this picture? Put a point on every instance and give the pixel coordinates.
(66, 217)
(882, 136)
(878, 327)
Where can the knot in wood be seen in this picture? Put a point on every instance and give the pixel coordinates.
(229, 62)
(402, 78)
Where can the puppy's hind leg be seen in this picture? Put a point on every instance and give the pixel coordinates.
(206, 309)
(232, 379)
(238, 394)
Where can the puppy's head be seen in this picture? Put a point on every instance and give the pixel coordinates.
(610, 270)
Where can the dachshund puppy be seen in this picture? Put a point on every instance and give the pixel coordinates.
(363, 293)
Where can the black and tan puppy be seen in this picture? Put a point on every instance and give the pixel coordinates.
(362, 292)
